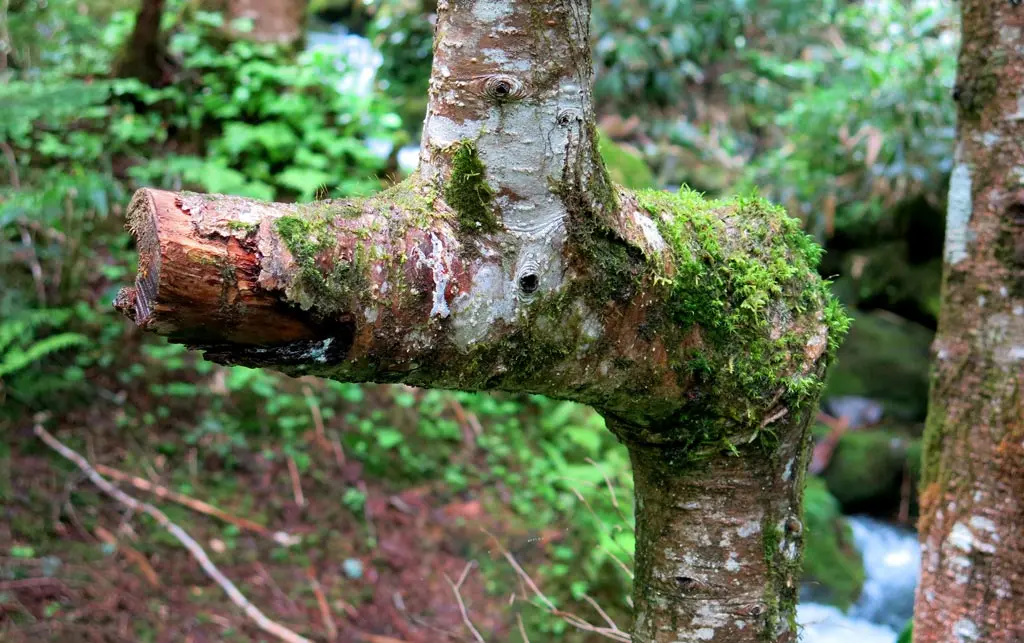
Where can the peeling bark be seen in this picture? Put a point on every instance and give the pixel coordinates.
(972, 517)
(699, 329)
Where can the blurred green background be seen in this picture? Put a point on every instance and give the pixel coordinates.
(838, 110)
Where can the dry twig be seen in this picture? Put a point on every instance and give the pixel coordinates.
(613, 632)
(259, 618)
(462, 605)
(164, 493)
(325, 608)
(131, 554)
(293, 472)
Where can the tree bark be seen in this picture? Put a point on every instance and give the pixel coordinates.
(972, 517)
(699, 329)
(276, 21)
(144, 56)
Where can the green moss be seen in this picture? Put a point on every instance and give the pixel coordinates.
(242, 226)
(468, 192)
(624, 167)
(733, 260)
(867, 467)
(327, 283)
(832, 565)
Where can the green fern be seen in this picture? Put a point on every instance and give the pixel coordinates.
(19, 346)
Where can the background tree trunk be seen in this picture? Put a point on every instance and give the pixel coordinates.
(700, 330)
(972, 514)
(144, 56)
(278, 21)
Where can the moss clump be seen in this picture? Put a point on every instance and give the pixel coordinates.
(468, 192)
(832, 565)
(242, 226)
(624, 167)
(324, 282)
(743, 267)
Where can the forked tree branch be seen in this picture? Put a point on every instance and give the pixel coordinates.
(699, 329)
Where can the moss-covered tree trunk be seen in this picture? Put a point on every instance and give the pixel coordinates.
(509, 261)
(972, 501)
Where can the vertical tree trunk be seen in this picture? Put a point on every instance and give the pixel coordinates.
(972, 501)
(699, 329)
(144, 56)
(277, 21)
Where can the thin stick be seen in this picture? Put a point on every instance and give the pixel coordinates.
(604, 615)
(12, 161)
(325, 608)
(317, 415)
(34, 265)
(293, 471)
(196, 505)
(613, 633)
(339, 453)
(462, 605)
(261, 620)
(522, 629)
(131, 554)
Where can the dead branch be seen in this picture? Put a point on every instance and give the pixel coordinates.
(462, 605)
(613, 632)
(293, 473)
(164, 493)
(325, 609)
(132, 554)
(259, 618)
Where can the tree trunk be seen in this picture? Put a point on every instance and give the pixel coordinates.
(972, 514)
(277, 21)
(699, 329)
(144, 56)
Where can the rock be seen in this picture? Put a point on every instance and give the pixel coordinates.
(884, 358)
(867, 469)
(833, 571)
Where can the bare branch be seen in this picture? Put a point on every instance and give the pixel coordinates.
(192, 503)
(613, 632)
(462, 605)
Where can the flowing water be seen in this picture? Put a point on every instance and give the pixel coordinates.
(892, 561)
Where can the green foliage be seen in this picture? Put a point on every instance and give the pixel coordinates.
(20, 346)
(831, 563)
(867, 118)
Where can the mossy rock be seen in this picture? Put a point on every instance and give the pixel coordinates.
(884, 358)
(625, 168)
(833, 570)
(867, 468)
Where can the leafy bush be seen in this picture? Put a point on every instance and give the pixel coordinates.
(869, 121)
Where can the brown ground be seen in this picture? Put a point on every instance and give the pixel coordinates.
(69, 587)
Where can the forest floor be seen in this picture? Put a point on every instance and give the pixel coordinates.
(379, 577)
